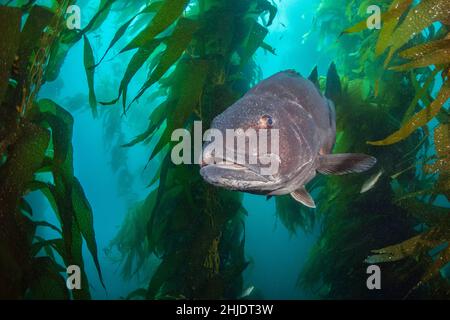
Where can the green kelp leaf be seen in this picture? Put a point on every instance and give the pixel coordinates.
(47, 245)
(154, 6)
(255, 39)
(166, 15)
(89, 63)
(137, 61)
(99, 17)
(138, 293)
(419, 119)
(419, 17)
(176, 45)
(266, 6)
(47, 225)
(47, 282)
(85, 221)
(191, 76)
(269, 48)
(294, 216)
(61, 123)
(74, 244)
(166, 270)
(10, 25)
(156, 119)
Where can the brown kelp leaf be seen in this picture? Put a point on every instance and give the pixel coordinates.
(389, 18)
(176, 45)
(424, 49)
(441, 260)
(89, 63)
(442, 146)
(419, 119)
(402, 250)
(390, 22)
(166, 15)
(438, 57)
(419, 17)
(10, 26)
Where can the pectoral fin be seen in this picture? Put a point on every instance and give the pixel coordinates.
(344, 163)
(302, 196)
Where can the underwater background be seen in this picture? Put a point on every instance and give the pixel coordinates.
(104, 195)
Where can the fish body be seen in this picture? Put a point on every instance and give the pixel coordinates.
(306, 124)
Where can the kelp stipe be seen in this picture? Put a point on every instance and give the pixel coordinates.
(405, 196)
(36, 137)
(196, 230)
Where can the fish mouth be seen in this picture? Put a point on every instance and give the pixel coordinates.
(232, 175)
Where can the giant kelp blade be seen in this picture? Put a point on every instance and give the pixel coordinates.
(418, 120)
(437, 58)
(193, 74)
(255, 39)
(61, 123)
(292, 215)
(266, 6)
(136, 62)
(10, 26)
(85, 221)
(99, 16)
(424, 49)
(89, 63)
(47, 282)
(169, 12)
(156, 119)
(390, 21)
(154, 6)
(176, 45)
(419, 17)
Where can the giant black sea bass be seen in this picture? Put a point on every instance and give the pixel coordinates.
(306, 124)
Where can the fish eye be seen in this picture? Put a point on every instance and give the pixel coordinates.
(266, 121)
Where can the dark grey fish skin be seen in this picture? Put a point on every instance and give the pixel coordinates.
(307, 133)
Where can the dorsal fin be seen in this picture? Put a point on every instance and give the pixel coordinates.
(334, 88)
(314, 77)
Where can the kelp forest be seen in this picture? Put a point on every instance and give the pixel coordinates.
(169, 63)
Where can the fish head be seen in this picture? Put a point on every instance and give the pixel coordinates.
(243, 164)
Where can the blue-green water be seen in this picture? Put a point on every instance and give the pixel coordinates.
(114, 178)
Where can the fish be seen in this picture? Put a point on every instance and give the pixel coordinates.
(247, 292)
(306, 123)
(371, 182)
